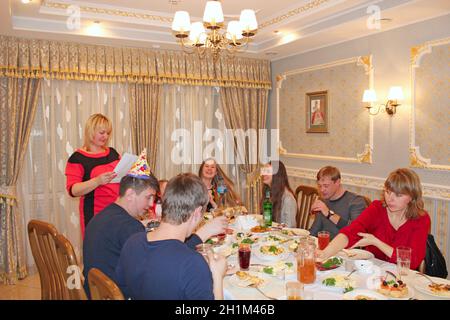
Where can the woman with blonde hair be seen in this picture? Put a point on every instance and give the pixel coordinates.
(89, 170)
(211, 173)
(399, 219)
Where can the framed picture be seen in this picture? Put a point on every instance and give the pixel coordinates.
(317, 112)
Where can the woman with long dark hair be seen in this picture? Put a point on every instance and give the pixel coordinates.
(284, 206)
(210, 172)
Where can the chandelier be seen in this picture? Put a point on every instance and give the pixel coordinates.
(195, 38)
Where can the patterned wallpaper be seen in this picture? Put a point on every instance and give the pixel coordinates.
(432, 102)
(345, 84)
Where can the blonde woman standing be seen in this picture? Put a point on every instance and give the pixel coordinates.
(89, 170)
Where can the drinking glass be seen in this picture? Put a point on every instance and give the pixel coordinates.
(403, 260)
(324, 239)
(244, 256)
(294, 290)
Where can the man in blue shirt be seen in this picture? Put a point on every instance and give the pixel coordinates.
(159, 265)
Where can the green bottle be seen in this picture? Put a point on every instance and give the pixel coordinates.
(267, 209)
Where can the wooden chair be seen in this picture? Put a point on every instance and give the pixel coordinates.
(69, 268)
(305, 195)
(102, 287)
(367, 200)
(52, 256)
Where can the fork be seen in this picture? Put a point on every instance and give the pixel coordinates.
(254, 285)
(429, 279)
(347, 277)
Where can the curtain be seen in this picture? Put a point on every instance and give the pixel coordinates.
(63, 108)
(145, 105)
(18, 101)
(247, 109)
(188, 116)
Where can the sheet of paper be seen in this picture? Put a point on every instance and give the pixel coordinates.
(124, 166)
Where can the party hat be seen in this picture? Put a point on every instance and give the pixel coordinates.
(140, 168)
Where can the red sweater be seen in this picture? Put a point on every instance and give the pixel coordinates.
(83, 166)
(413, 233)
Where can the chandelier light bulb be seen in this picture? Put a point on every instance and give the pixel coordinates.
(181, 22)
(197, 34)
(248, 20)
(213, 14)
(234, 31)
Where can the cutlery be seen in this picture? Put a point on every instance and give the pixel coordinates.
(429, 279)
(254, 285)
(347, 277)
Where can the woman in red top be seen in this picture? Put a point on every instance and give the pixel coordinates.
(398, 220)
(89, 170)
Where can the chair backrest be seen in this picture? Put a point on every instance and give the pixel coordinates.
(367, 200)
(102, 287)
(69, 268)
(48, 249)
(305, 195)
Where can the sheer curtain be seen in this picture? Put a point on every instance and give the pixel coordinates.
(62, 111)
(188, 115)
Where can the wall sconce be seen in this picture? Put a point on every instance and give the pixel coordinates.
(395, 94)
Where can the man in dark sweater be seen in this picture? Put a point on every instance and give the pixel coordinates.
(159, 265)
(336, 207)
(108, 231)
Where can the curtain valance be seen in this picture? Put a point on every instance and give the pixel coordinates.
(32, 58)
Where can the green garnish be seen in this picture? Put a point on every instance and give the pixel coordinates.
(210, 241)
(289, 264)
(234, 245)
(268, 270)
(332, 262)
(348, 289)
(240, 234)
(285, 232)
(329, 282)
(391, 282)
(274, 238)
(248, 240)
(273, 249)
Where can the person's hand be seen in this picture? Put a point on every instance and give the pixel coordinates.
(217, 264)
(319, 206)
(367, 239)
(321, 256)
(212, 228)
(105, 178)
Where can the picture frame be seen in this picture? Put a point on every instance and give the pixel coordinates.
(317, 112)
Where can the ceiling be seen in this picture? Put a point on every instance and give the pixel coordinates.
(286, 27)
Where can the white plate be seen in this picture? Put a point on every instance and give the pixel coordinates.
(235, 281)
(368, 293)
(268, 257)
(298, 231)
(358, 281)
(356, 254)
(421, 284)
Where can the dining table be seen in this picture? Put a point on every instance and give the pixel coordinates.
(276, 271)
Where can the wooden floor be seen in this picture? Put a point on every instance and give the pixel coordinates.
(26, 289)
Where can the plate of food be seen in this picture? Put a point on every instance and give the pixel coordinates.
(356, 254)
(440, 288)
(363, 294)
(340, 281)
(245, 279)
(271, 251)
(330, 264)
(277, 268)
(394, 288)
(295, 232)
(260, 230)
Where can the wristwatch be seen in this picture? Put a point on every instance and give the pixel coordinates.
(330, 214)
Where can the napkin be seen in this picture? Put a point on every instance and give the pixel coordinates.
(246, 222)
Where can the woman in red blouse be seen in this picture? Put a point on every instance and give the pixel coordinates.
(89, 170)
(399, 219)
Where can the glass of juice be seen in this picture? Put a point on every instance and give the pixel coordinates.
(306, 262)
(244, 256)
(323, 239)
